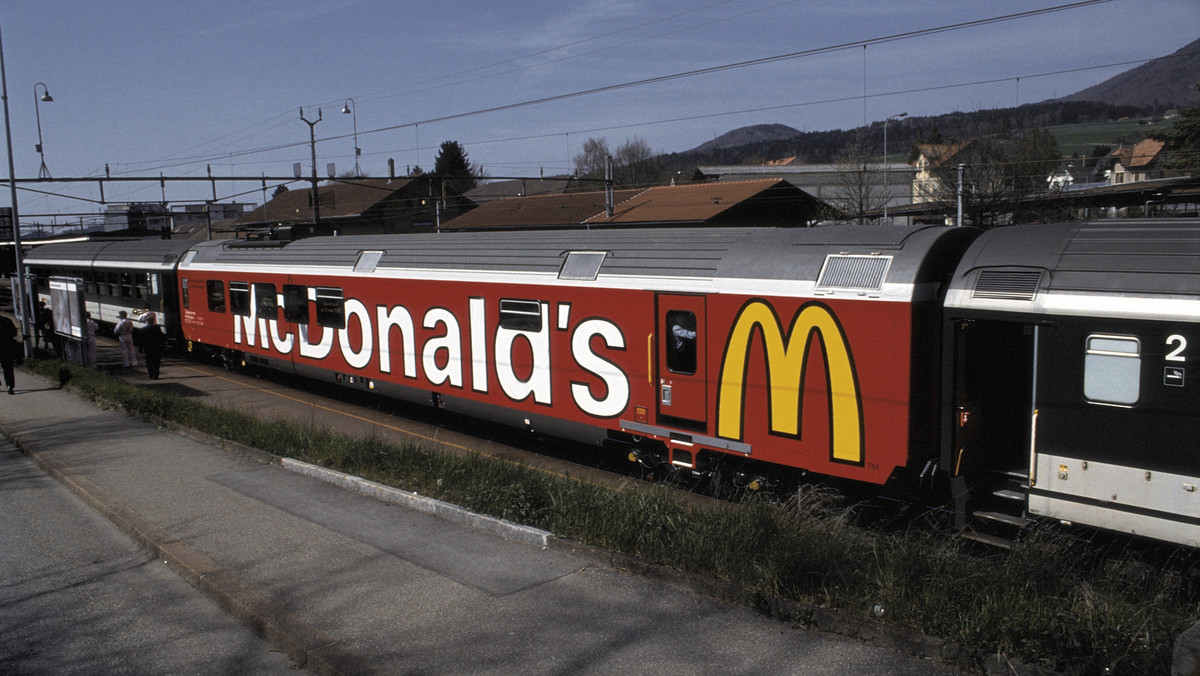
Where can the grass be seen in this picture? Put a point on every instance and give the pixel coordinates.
(1081, 138)
(1051, 601)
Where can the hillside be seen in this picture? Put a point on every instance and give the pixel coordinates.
(1167, 82)
(1147, 90)
(755, 134)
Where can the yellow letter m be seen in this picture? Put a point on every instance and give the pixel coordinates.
(786, 356)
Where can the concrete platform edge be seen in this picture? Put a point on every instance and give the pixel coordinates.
(505, 529)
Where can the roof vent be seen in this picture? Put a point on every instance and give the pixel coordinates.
(1007, 284)
(582, 265)
(862, 273)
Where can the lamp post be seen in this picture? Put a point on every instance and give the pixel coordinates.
(22, 297)
(312, 136)
(350, 109)
(887, 187)
(43, 172)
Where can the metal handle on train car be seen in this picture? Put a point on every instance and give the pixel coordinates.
(650, 358)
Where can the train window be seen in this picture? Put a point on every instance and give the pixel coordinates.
(239, 298)
(216, 295)
(521, 315)
(140, 289)
(582, 265)
(1112, 370)
(681, 341)
(295, 303)
(126, 285)
(331, 308)
(266, 304)
(183, 291)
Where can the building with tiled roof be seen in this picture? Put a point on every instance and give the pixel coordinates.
(928, 160)
(1138, 163)
(357, 206)
(771, 202)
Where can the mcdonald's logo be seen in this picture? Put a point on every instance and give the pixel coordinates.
(786, 357)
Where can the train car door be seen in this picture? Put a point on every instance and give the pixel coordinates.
(681, 367)
(994, 399)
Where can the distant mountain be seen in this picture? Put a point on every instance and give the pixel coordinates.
(1149, 89)
(1165, 82)
(753, 134)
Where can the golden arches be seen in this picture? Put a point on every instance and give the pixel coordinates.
(785, 357)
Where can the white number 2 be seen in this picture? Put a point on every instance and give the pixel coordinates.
(1180, 344)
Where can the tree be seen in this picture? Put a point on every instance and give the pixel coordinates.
(633, 163)
(855, 191)
(1001, 180)
(453, 168)
(1183, 142)
(590, 163)
(279, 190)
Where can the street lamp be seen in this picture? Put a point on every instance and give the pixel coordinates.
(887, 187)
(43, 172)
(350, 109)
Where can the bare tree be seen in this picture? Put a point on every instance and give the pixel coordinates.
(591, 161)
(632, 162)
(857, 190)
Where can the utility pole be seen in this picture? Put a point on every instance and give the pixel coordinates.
(959, 219)
(312, 136)
(22, 283)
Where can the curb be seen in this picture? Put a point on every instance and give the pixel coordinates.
(505, 529)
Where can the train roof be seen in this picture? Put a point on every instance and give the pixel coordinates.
(142, 254)
(867, 254)
(1123, 268)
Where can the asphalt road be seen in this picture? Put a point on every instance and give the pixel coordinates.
(77, 596)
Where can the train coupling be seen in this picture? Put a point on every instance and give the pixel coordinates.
(752, 482)
(646, 457)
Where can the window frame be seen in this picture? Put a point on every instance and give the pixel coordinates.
(1103, 364)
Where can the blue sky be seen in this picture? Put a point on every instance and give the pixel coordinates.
(149, 87)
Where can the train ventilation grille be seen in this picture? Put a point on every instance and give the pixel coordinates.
(843, 271)
(1008, 284)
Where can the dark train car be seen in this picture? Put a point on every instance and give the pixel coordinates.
(805, 348)
(117, 275)
(1068, 350)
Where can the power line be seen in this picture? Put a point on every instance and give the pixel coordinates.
(673, 76)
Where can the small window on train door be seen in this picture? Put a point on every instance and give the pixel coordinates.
(183, 291)
(521, 315)
(1112, 368)
(266, 303)
(216, 295)
(239, 298)
(331, 308)
(295, 303)
(681, 341)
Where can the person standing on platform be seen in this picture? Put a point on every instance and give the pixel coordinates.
(89, 341)
(152, 346)
(124, 331)
(10, 349)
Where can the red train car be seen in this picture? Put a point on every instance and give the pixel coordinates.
(815, 349)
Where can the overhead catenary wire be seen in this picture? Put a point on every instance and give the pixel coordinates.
(906, 35)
